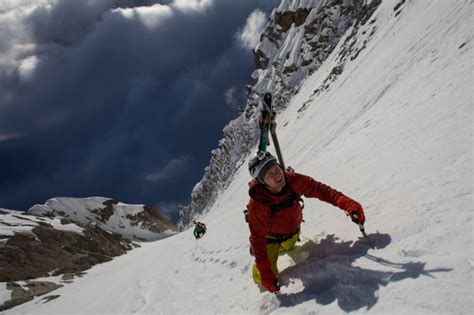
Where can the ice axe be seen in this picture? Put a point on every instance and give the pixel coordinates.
(355, 218)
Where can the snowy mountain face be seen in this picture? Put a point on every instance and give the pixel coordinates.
(392, 128)
(57, 241)
(299, 36)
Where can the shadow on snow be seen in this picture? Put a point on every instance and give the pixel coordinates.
(327, 274)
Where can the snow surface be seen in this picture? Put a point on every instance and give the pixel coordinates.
(394, 131)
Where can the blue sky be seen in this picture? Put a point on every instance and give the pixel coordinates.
(122, 99)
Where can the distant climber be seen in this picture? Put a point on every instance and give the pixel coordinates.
(274, 213)
(199, 229)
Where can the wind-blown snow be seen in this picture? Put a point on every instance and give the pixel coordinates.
(393, 131)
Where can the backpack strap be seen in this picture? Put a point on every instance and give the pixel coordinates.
(288, 202)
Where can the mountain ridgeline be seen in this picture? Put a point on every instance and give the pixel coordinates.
(298, 38)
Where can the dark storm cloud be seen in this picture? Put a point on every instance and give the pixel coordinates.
(117, 101)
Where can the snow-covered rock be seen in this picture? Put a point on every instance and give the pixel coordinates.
(12, 222)
(133, 222)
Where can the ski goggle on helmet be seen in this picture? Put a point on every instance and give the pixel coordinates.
(260, 164)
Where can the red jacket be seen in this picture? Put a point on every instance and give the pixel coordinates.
(286, 221)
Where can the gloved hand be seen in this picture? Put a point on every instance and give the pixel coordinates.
(267, 277)
(351, 206)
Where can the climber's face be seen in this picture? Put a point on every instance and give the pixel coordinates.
(275, 178)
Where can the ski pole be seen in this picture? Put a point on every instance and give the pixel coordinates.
(355, 217)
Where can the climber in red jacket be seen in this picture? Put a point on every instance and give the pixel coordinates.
(274, 213)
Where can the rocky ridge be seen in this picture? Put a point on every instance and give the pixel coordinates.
(132, 222)
(298, 38)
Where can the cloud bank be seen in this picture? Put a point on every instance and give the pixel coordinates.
(105, 97)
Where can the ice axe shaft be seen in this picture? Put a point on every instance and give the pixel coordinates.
(355, 217)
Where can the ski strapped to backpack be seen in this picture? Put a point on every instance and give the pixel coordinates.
(267, 116)
(271, 126)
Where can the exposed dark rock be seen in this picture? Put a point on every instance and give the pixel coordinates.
(21, 295)
(289, 69)
(28, 256)
(398, 6)
(21, 218)
(366, 12)
(67, 276)
(151, 220)
(105, 213)
(286, 19)
(48, 298)
(261, 61)
(65, 221)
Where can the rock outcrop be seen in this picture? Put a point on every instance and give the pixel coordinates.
(31, 289)
(48, 251)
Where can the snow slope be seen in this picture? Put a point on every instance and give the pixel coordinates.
(393, 131)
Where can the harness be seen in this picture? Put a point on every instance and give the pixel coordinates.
(281, 238)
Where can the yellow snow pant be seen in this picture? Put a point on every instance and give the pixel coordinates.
(274, 249)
